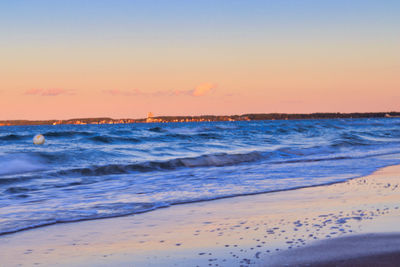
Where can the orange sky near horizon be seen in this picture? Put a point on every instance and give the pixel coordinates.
(334, 68)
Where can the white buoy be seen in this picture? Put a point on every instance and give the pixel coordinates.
(38, 139)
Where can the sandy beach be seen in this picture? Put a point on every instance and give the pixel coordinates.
(333, 225)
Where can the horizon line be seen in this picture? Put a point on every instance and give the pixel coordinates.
(203, 115)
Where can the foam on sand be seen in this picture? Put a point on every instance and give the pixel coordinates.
(238, 231)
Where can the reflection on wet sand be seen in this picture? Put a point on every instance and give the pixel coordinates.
(228, 232)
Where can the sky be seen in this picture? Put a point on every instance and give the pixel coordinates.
(123, 59)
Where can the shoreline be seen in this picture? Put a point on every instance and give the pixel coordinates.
(235, 231)
(191, 202)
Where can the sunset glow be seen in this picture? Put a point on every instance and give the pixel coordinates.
(122, 59)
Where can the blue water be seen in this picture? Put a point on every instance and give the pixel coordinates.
(97, 171)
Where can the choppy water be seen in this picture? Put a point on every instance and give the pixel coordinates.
(97, 171)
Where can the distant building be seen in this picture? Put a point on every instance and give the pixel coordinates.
(150, 117)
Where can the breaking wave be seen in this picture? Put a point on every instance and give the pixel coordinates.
(87, 172)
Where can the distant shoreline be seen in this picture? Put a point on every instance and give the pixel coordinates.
(206, 118)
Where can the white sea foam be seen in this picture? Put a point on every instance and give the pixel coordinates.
(16, 164)
(114, 170)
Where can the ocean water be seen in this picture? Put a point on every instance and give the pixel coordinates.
(98, 171)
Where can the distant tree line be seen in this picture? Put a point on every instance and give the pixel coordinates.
(244, 117)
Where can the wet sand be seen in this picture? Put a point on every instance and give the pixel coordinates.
(259, 230)
(349, 251)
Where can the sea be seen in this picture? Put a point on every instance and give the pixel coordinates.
(86, 172)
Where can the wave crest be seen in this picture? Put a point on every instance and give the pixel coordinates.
(19, 163)
(212, 160)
